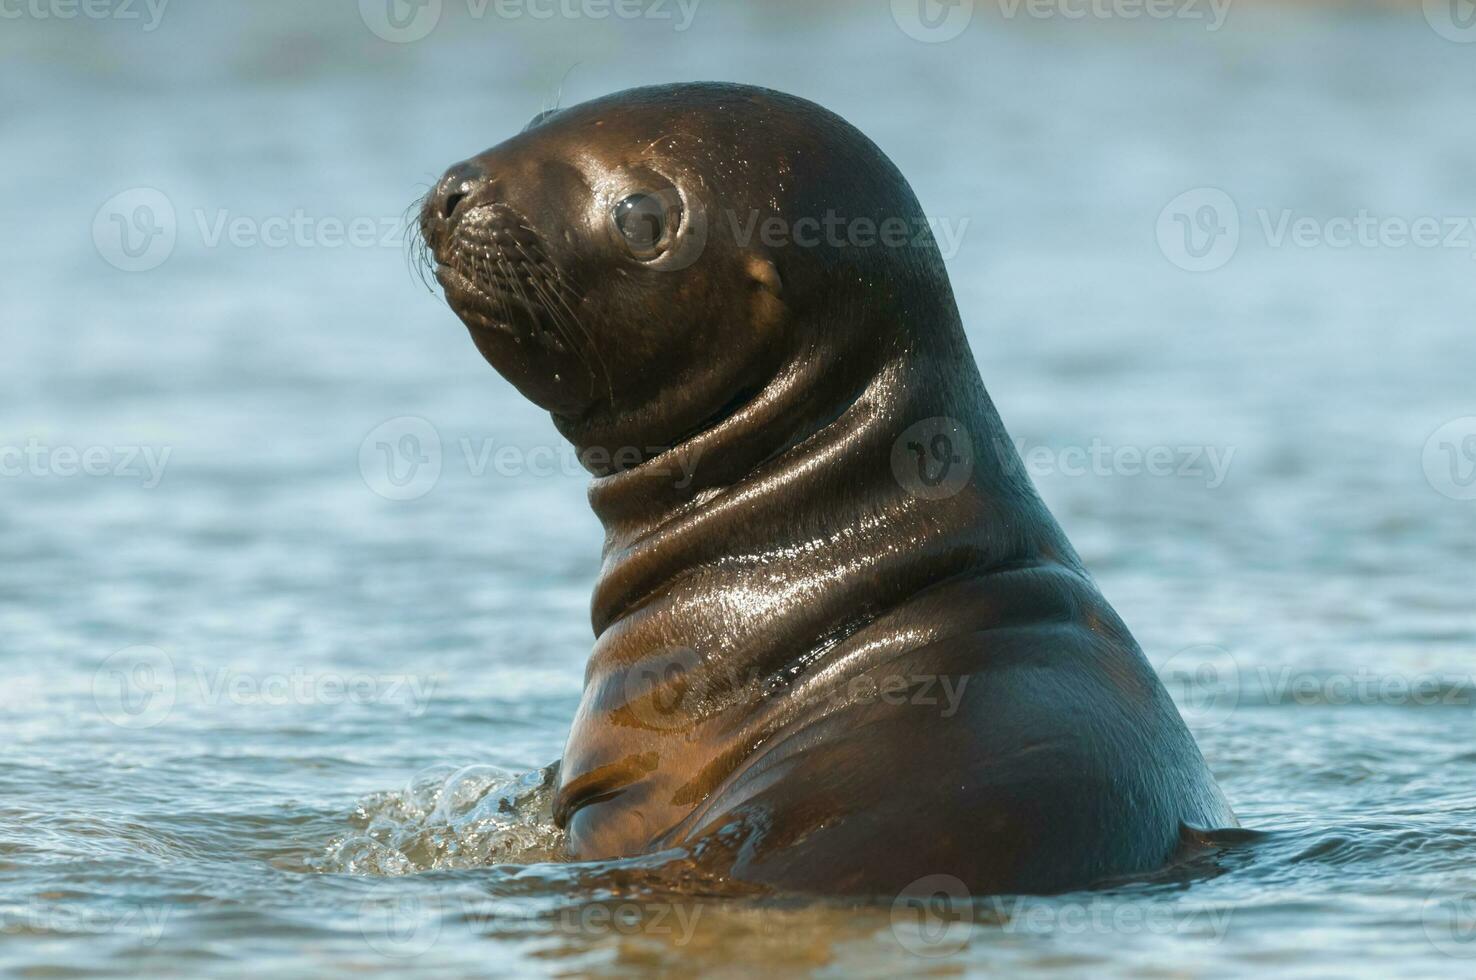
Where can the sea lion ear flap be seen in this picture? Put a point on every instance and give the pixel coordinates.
(763, 274)
(768, 308)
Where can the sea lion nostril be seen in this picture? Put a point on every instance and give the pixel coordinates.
(448, 206)
(458, 183)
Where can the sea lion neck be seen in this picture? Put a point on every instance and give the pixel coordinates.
(805, 465)
(804, 393)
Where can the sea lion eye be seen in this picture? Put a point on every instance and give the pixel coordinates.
(643, 220)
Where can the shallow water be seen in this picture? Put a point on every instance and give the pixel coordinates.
(245, 686)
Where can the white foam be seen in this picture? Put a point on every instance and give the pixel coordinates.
(447, 817)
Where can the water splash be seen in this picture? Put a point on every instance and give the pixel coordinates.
(447, 817)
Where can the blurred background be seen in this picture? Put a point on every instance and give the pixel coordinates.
(293, 587)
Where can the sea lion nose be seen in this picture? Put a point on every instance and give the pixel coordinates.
(456, 186)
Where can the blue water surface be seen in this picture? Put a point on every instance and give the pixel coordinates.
(272, 697)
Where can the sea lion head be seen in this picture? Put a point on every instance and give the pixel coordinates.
(641, 264)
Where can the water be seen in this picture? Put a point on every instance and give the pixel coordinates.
(340, 703)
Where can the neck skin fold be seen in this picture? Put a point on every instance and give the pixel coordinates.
(789, 519)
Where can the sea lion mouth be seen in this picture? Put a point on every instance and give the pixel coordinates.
(494, 304)
(498, 277)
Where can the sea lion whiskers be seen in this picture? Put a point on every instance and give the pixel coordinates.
(555, 291)
(482, 272)
(515, 282)
(417, 249)
(493, 260)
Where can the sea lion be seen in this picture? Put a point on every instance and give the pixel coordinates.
(841, 643)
